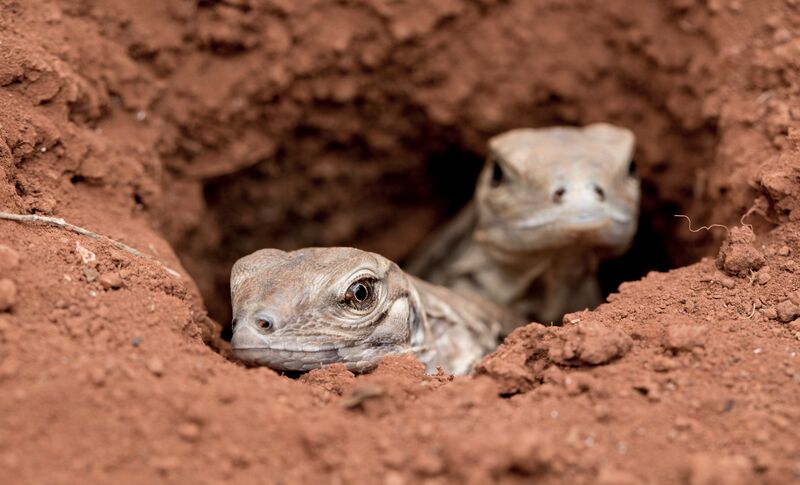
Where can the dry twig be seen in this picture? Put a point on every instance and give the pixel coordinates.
(58, 222)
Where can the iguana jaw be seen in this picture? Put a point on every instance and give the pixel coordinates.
(596, 229)
(304, 353)
(358, 358)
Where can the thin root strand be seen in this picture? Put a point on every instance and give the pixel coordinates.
(702, 228)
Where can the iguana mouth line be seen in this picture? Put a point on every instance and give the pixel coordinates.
(305, 360)
(298, 351)
(577, 218)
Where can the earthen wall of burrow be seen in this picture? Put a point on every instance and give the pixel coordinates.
(235, 127)
(366, 125)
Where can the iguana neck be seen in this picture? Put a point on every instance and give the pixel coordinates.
(459, 330)
(541, 285)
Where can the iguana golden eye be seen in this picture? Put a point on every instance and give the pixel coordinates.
(360, 294)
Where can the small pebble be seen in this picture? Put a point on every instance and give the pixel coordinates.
(683, 423)
(155, 366)
(136, 341)
(784, 251)
(782, 35)
(111, 281)
(98, 376)
(9, 259)
(189, 431)
(728, 283)
(763, 277)
(8, 294)
(771, 313)
(664, 364)
(89, 274)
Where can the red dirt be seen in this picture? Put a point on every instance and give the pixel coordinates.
(213, 128)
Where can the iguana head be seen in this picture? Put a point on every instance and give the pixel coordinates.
(562, 187)
(301, 309)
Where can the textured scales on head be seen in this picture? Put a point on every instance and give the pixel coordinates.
(543, 189)
(303, 309)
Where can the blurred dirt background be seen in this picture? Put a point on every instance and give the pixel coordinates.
(198, 131)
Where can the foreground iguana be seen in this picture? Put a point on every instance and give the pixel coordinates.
(549, 205)
(299, 310)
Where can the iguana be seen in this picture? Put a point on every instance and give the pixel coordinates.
(302, 309)
(550, 204)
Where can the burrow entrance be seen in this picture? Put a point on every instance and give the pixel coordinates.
(388, 206)
(378, 155)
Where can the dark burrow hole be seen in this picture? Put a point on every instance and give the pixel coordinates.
(405, 202)
(443, 185)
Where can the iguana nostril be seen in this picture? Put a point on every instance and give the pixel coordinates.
(601, 194)
(558, 195)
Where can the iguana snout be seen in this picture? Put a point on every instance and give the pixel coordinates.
(302, 309)
(546, 189)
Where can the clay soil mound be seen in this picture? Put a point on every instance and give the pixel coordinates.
(198, 131)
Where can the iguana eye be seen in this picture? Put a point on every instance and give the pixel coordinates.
(633, 169)
(498, 176)
(360, 294)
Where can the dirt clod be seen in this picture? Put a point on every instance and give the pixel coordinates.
(514, 365)
(111, 281)
(333, 378)
(358, 395)
(683, 337)
(664, 364)
(738, 256)
(189, 431)
(787, 311)
(590, 343)
(156, 366)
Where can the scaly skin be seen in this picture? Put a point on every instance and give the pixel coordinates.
(302, 309)
(550, 204)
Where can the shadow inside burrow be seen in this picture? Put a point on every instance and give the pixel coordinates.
(652, 249)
